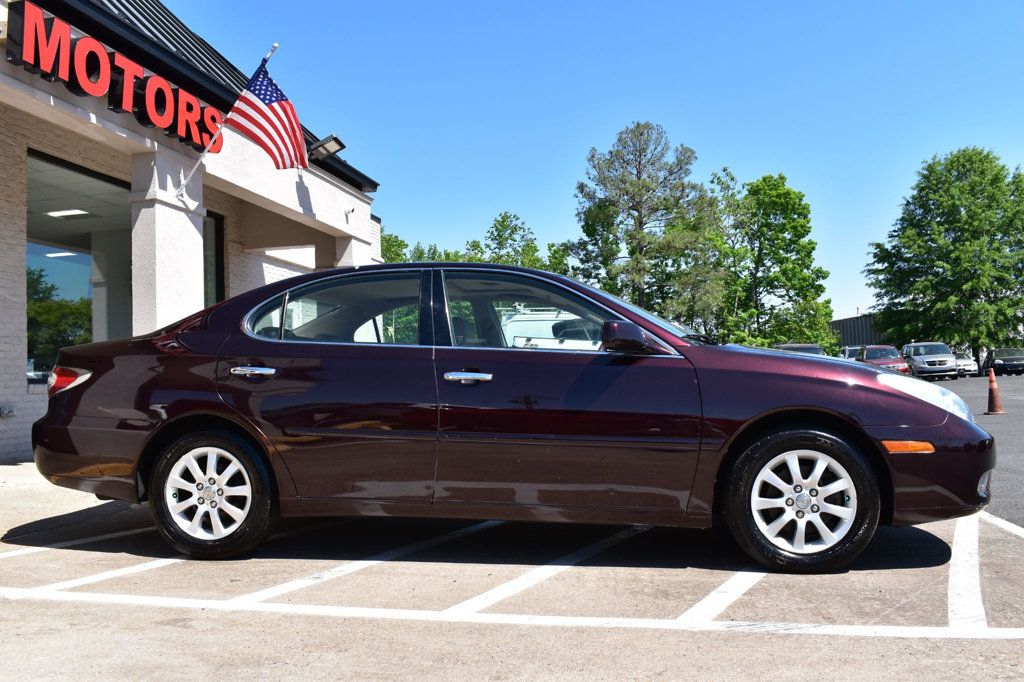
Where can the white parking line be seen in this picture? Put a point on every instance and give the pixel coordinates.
(353, 566)
(542, 573)
(110, 575)
(709, 608)
(320, 610)
(1004, 524)
(74, 543)
(150, 565)
(966, 609)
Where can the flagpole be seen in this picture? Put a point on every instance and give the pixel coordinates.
(180, 192)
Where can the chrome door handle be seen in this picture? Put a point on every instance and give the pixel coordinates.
(246, 371)
(467, 377)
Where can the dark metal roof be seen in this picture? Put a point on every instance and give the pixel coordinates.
(150, 34)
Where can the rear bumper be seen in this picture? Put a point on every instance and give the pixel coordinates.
(89, 456)
(952, 481)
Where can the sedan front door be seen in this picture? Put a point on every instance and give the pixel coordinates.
(533, 412)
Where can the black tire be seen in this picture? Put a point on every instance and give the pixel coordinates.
(262, 509)
(740, 516)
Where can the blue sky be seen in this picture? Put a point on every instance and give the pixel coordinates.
(465, 109)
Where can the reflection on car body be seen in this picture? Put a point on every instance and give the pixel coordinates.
(479, 391)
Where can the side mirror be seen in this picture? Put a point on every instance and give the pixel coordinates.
(623, 336)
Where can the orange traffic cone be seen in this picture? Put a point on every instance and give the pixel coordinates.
(995, 405)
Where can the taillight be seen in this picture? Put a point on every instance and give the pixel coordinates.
(63, 378)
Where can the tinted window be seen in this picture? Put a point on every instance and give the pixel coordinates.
(497, 310)
(1007, 352)
(881, 353)
(378, 308)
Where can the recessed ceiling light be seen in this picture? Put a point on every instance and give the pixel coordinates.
(59, 254)
(65, 214)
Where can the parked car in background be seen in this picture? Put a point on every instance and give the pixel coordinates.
(966, 366)
(1005, 361)
(805, 348)
(849, 352)
(477, 391)
(931, 360)
(886, 357)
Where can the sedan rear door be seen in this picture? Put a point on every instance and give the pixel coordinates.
(339, 376)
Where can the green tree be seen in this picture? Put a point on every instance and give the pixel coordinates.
(693, 278)
(53, 323)
(952, 267)
(558, 259)
(772, 287)
(507, 241)
(433, 254)
(642, 181)
(392, 247)
(593, 258)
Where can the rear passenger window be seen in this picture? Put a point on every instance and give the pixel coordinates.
(379, 308)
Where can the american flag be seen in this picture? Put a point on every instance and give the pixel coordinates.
(264, 115)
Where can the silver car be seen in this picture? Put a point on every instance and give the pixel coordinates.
(930, 359)
(966, 365)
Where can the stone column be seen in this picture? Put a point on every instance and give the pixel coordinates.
(167, 241)
(352, 251)
(111, 285)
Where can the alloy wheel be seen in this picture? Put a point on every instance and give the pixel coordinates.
(803, 501)
(208, 493)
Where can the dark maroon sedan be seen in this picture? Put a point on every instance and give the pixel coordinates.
(478, 391)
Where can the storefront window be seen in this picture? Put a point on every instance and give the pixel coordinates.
(78, 253)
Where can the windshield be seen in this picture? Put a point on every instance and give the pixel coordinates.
(963, 356)
(678, 330)
(882, 353)
(930, 349)
(1007, 352)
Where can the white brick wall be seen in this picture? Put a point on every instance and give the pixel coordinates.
(244, 270)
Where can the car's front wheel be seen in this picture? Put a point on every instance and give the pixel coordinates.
(211, 495)
(802, 500)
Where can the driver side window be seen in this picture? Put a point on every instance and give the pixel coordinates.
(499, 310)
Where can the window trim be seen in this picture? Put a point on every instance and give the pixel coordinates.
(285, 295)
(437, 304)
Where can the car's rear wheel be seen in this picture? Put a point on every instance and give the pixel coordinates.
(802, 500)
(212, 495)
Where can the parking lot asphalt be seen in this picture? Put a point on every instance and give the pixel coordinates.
(1008, 429)
(88, 590)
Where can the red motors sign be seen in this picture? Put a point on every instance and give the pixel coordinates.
(44, 45)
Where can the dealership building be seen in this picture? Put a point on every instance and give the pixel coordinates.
(104, 108)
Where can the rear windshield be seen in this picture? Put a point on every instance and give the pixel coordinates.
(1007, 352)
(882, 353)
(930, 349)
